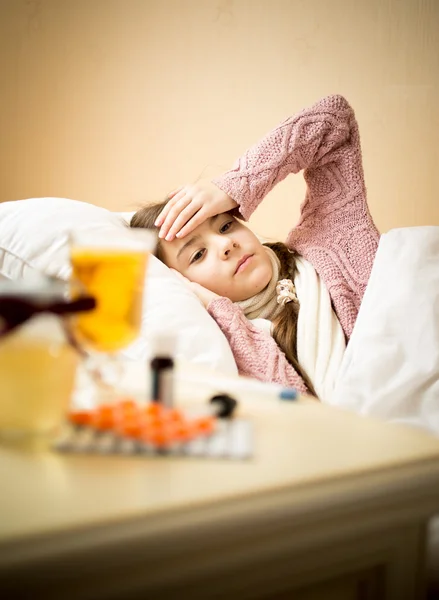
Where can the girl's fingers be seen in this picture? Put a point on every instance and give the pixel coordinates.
(162, 216)
(177, 206)
(198, 218)
(180, 193)
(182, 219)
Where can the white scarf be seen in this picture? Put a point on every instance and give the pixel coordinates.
(320, 338)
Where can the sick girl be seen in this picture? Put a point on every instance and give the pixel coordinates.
(287, 309)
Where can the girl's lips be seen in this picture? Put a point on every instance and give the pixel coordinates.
(243, 263)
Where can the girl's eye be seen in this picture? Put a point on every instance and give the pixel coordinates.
(197, 256)
(226, 226)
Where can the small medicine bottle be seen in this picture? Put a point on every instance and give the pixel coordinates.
(162, 368)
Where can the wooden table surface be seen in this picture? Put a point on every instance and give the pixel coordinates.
(296, 444)
(309, 460)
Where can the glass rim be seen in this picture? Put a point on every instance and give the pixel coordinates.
(113, 238)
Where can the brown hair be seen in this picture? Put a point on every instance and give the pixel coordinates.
(145, 218)
(285, 325)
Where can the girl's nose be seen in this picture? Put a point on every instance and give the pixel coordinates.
(226, 246)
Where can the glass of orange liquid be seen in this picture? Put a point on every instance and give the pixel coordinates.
(110, 266)
(37, 364)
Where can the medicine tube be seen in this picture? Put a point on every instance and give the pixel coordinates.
(162, 369)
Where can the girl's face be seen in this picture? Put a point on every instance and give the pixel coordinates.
(222, 255)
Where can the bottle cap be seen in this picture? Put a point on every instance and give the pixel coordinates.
(225, 405)
(288, 394)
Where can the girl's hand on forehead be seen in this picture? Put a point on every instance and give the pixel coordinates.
(204, 295)
(191, 205)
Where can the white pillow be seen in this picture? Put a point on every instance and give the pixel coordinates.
(34, 236)
(391, 366)
(33, 233)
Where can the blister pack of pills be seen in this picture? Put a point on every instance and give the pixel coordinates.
(154, 430)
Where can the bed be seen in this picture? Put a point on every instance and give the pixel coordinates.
(391, 366)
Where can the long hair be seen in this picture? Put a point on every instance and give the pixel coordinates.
(285, 325)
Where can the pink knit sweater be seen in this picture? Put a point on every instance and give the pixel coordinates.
(335, 232)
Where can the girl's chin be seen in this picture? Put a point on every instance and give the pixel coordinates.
(262, 283)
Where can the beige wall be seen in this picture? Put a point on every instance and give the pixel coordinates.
(119, 101)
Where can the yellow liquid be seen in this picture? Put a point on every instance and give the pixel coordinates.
(36, 383)
(115, 279)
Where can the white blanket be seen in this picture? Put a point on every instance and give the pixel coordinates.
(391, 365)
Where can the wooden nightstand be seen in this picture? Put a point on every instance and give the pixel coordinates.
(331, 506)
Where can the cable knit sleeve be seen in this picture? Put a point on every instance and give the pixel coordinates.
(335, 232)
(256, 353)
(299, 142)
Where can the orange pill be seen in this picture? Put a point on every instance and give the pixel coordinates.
(126, 411)
(151, 422)
(80, 417)
(159, 437)
(204, 425)
(153, 409)
(103, 417)
(127, 407)
(154, 435)
(175, 416)
(182, 432)
(127, 404)
(131, 428)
